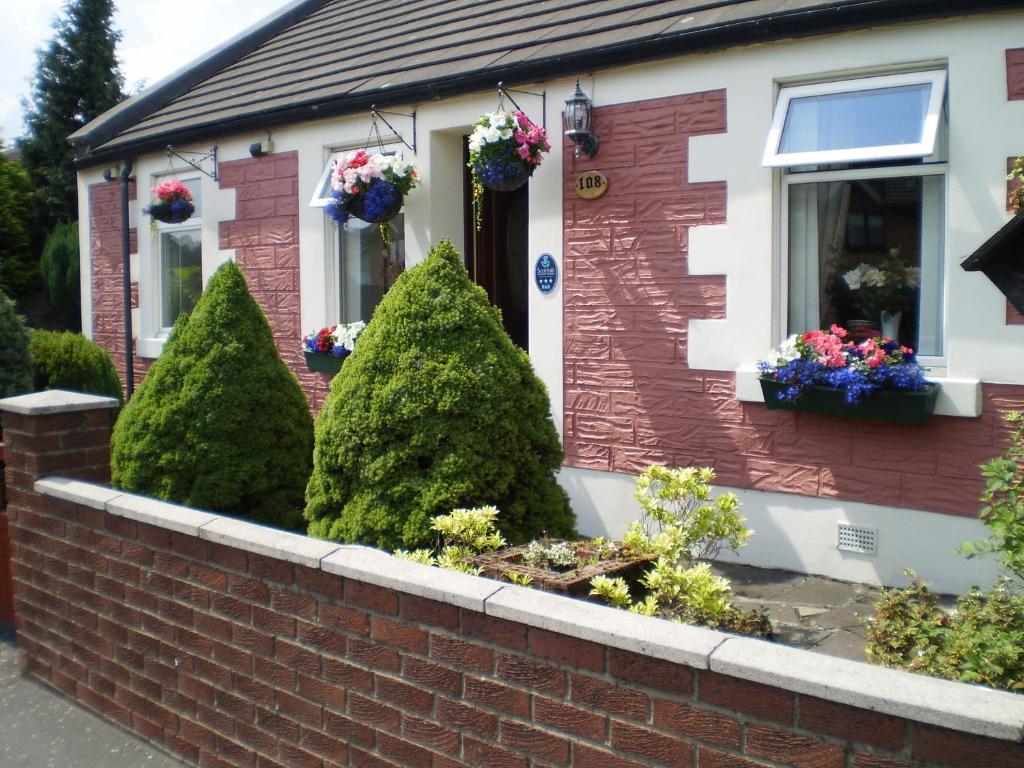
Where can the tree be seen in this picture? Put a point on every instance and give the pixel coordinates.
(67, 360)
(60, 272)
(15, 365)
(77, 79)
(220, 421)
(19, 272)
(435, 410)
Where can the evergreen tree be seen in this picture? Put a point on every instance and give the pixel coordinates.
(436, 409)
(219, 422)
(19, 272)
(77, 79)
(15, 363)
(60, 272)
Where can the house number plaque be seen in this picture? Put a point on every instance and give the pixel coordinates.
(591, 185)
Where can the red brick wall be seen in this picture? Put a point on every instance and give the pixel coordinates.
(108, 273)
(227, 658)
(1015, 74)
(630, 396)
(265, 236)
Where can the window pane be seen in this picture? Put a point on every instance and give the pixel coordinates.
(181, 273)
(877, 118)
(867, 255)
(368, 267)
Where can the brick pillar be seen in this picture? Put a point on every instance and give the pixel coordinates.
(47, 433)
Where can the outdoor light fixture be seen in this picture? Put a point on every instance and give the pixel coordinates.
(576, 121)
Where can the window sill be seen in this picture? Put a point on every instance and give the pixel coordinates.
(959, 397)
(150, 348)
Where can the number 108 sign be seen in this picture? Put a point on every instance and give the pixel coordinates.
(591, 185)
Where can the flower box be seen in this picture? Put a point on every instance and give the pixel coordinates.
(908, 407)
(324, 362)
(573, 581)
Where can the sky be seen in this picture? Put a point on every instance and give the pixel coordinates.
(158, 37)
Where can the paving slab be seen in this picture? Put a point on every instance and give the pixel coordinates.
(39, 728)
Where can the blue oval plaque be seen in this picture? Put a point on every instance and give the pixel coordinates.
(545, 273)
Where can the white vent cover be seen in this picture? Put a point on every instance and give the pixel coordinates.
(857, 538)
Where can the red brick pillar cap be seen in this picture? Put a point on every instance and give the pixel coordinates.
(55, 401)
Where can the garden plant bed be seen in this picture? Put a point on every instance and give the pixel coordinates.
(887, 405)
(571, 581)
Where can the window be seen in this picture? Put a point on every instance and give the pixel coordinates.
(874, 118)
(322, 193)
(863, 236)
(367, 267)
(180, 262)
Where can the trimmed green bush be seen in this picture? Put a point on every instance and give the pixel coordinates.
(68, 360)
(435, 410)
(219, 422)
(59, 267)
(15, 364)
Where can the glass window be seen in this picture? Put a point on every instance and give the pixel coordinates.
(368, 267)
(866, 253)
(181, 273)
(869, 119)
(322, 193)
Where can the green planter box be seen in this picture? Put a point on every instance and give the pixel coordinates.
(887, 405)
(321, 362)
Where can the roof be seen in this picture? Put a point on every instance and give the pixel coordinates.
(1001, 259)
(319, 58)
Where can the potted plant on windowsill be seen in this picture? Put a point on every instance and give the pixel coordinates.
(370, 187)
(327, 349)
(823, 372)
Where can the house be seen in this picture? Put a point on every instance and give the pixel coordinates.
(755, 152)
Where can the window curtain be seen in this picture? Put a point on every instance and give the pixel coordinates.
(817, 233)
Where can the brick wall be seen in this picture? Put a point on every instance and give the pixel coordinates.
(1015, 74)
(226, 657)
(630, 396)
(108, 273)
(265, 236)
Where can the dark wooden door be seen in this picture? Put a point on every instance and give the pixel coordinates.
(497, 254)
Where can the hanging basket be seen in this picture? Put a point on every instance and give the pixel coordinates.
(170, 212)
(906, 407)
(505, 174)
(382, 198)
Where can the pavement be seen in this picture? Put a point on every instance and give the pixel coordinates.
(40, 728)
(812, 612)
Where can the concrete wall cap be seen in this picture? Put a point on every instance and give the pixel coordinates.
(945, 703)
(86, 494)
(661, 639)
(263, 540)
(162, 514)
(55, 401)
(384, 570)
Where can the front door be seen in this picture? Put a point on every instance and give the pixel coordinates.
(496, 255)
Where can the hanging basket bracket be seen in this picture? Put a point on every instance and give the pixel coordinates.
(506, 93)
(197, 159)
(376, 114)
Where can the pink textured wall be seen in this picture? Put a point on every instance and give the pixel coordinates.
(107, 283)
(265, 236)
(630, 396)
(1015, 74)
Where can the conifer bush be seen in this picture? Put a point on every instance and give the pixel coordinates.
(68, 360)
(219, 422)
(15, 364)
(435, 410)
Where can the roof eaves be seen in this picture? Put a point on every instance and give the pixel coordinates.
(132, 110)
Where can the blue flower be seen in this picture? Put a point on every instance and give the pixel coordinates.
(380, 197)
(336, 209)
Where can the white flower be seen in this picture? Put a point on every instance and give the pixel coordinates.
(788, 350)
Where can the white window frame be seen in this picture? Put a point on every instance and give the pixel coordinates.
(322, 192)
(884, 172)
(193, 223)
(936, 78)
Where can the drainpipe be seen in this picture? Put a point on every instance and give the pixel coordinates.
(126, 272)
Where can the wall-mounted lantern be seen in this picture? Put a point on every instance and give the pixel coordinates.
(576, 120)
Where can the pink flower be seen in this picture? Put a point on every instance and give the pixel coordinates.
(171, 190)
(838, 331)
(524, 151)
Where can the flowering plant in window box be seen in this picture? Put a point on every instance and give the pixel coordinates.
(172, 203)
(824, 372)
(371, 187)
(326, 349)
(504, 150)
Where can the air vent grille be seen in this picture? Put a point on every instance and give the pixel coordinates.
(857, 538)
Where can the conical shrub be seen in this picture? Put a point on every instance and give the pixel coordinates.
(219, 422)
(436, 409)
(15, 364)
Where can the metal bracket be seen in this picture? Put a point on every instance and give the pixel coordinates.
(506, 93)
(201, 157)
(376, 113)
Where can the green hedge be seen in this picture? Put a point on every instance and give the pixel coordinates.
(15, 364)
(435, 410)
(220, 421)
(68, 360)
